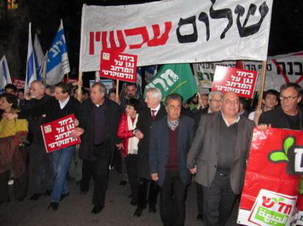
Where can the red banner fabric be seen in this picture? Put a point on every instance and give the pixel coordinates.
(271, 194)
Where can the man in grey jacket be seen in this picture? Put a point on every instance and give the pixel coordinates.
(218, 157)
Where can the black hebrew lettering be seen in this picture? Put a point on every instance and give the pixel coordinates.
(252, 29)
(204, 18)
(191, 37)
(281, 68)
(268, 67)
(219, 14)
(300, 72)
(290, 71)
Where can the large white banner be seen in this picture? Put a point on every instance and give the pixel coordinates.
(177, 31)
(280, 69)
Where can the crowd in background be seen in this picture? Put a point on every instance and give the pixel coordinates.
(123, 132)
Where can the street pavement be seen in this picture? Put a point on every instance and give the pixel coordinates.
(75, 210)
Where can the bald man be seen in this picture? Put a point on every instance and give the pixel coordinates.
(218, 157)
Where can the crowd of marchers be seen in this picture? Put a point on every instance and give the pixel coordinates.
(159, 144)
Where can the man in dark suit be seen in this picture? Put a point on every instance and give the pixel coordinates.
(152, 112)
(218, 157)
(170, 141)
(99, 117)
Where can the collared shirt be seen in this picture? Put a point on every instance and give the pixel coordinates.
(64, 103)
(172, 124)
(237, 119)
(155, 109)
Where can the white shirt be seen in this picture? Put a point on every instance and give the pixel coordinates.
(237, 119)
(64, 103)
(155, 109)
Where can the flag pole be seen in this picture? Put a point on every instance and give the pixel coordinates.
(79, 90)
(261, 90)
(117, 88)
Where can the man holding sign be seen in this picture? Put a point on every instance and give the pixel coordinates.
(63, 104)
(218, 157)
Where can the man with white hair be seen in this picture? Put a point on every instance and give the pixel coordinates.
(153, 111)
(40, 163)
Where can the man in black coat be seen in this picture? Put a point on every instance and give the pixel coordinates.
(154, 111)
(99, 117)
(40, 163)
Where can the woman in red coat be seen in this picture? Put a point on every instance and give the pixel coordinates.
(129, 145)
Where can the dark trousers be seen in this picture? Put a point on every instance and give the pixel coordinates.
(116, 161)
(219, 200)
(4, 193)
(41, 170)
(97, 169)
(147, 186)
(19, 186)
(199, 190)
(131, 166)
(172, 199)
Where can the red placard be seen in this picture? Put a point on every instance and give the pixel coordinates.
(118, 66)
(271, 193)
(56, 134)
(235, 80)
(19, 83)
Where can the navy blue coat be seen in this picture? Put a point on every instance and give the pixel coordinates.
(159, 147)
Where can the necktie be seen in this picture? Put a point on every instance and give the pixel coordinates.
(153, 114)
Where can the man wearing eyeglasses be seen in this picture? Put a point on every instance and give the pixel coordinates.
(214, 100)
(289, 115)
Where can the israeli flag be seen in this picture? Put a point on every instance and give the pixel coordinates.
(39, 56)
(5, 77)
(31, 72)
(58, 63)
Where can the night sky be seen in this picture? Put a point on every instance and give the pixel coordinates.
(286, 29)
(286, 33)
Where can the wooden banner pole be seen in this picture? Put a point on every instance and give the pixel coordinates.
(261, 90)
(117, 88)
(79, 90)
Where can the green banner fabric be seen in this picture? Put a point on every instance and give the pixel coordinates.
(175, 78)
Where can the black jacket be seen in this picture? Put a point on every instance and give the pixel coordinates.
(86, 119)
(34, 111)
(277, 118)
(53, 110)
(144, 125)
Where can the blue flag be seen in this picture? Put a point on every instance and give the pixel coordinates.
(39, 56)
(31, 72)
(5, 77)
(57, 63)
